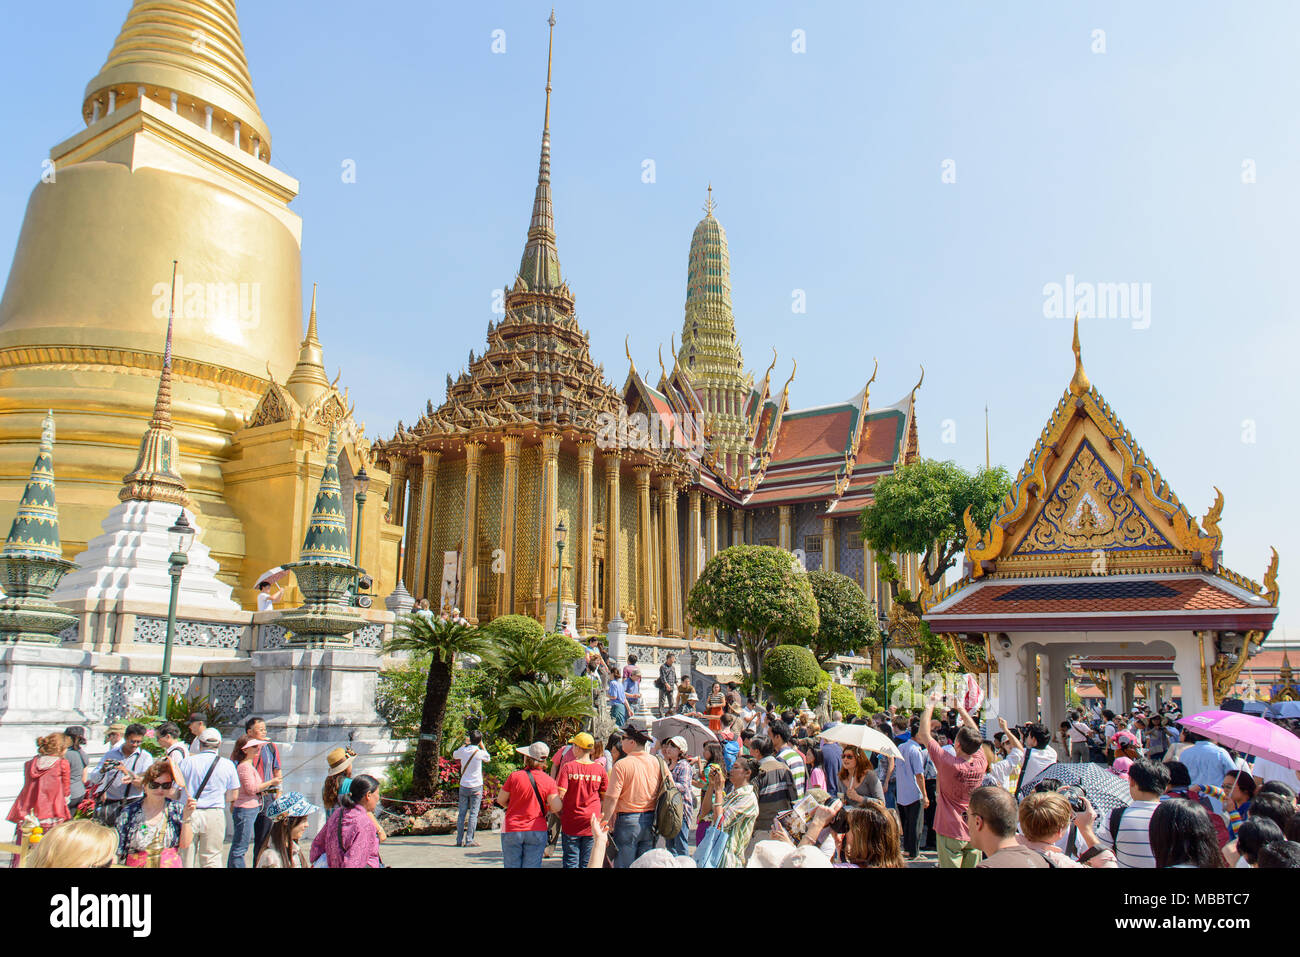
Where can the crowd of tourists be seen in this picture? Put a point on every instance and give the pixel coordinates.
(757, 789)
(774, 790)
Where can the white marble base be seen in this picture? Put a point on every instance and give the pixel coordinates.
(129, 562)
(317, 694)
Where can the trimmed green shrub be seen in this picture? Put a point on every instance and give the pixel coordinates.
(843, 699)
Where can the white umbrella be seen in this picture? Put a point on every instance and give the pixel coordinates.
(697, 735)
(863, 736)
(274, 575)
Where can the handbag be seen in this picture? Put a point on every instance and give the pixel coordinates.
(711, 847)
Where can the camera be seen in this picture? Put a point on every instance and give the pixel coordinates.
(1075, 795)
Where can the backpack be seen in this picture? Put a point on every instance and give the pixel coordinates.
(669, 811)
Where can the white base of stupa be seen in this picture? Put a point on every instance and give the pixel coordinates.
(129, 562)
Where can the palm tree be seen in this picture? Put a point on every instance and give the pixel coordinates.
(442, 640)
(545, 705)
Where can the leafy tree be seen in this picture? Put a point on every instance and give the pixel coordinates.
(755, 596)
(441, 640)
(549, 710)
(792, 672)
(520, 650)
(918, 510)
(847, 619)
(843, 699)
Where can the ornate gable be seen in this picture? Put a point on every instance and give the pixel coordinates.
(273, 407)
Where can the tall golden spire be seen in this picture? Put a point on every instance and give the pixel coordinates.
(1079, 384)
(156, 476)
(539, 269)
(189, 47)
(308, 379)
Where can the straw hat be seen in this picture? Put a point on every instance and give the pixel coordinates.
(339, 761)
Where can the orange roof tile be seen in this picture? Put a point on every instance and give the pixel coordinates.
(804, 435)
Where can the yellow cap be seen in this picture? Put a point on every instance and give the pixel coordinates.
(583, 740)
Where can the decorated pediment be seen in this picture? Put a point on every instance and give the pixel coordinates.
(1087, 510)
(275, 406)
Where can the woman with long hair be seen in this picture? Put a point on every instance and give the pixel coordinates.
(674, 754)
(872, 839)
(348, 838)
(811, 753)
(288, 814)
(159, 820)
(248, 803)
(46, 785)
(79, 844)
(714, 706)
(1183, 836)
(613, 751)
(338, 776)
(711, 778)
(858, 781)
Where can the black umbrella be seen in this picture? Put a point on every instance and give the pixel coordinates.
(1106, 791)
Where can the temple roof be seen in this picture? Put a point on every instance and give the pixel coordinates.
(1089, 502)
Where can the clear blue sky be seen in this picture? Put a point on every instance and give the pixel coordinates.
(1123, 166)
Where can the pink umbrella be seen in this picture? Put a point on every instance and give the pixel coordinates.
(1247, 733)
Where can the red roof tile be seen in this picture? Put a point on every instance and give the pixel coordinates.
(1082, 596)
(878, 444)
(815, 433)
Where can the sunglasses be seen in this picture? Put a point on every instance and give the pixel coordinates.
(161, 785)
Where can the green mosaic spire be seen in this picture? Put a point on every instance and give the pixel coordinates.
(35, 530)
(327, 533)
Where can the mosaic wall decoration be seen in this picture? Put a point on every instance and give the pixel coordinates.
(114, 695)
(270, 636)
(849, 560)
(71, 634)
(448, 515)
(153, 631)
(628, 544)
(527, 519)
(767, 526)
(234, 696)
(491, 486)
(369, 636)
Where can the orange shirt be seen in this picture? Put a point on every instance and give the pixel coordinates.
(634, 783)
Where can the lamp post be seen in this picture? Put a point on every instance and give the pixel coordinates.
(362, 482)
(561, 533)
(181, 536)
(884, 657)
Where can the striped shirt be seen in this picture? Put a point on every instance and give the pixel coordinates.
(790, 757)
(1133, 843)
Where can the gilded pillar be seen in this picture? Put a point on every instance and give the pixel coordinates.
(828, 543)
(469, 535)
(613, 595)
(546, 532)
(643, 564)
(737, 527)
(710, 528)
(672, 558)
(509, 497)
(656, 564)
(692, 557)
(783, 533)
(869, 575)
(429, 465)
(411, 536)
(586, 535)
(397, 495)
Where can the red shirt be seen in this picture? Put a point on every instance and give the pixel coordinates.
(583, 784)
(523, 813)
(958, 776)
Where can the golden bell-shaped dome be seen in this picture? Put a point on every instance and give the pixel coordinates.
(189, 47)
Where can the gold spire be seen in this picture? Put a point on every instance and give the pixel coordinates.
(156, 476)
(308, 379)
(709, 204)
(189, 47)
(1079, 384)
(550, 45)
(539, 269)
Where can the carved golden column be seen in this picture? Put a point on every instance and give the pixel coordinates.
(737, 527)
(643, 564)
(586, 535)
(783, 528)
(411, 532)
(656, 562)
(710, 528)
(469, 535)
(869, 575)
(693, 568)
(429, 472)
(613, 594)
(397, 493)
(509, 496)
(549, 497)
(828, 543)
(672, 559)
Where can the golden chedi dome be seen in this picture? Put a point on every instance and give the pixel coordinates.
(172, 165)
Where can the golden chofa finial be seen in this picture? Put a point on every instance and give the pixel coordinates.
(630, 363)
(709, 204)
(786, 390)
(1079, 384)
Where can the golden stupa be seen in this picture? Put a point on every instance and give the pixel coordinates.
(174, 164)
